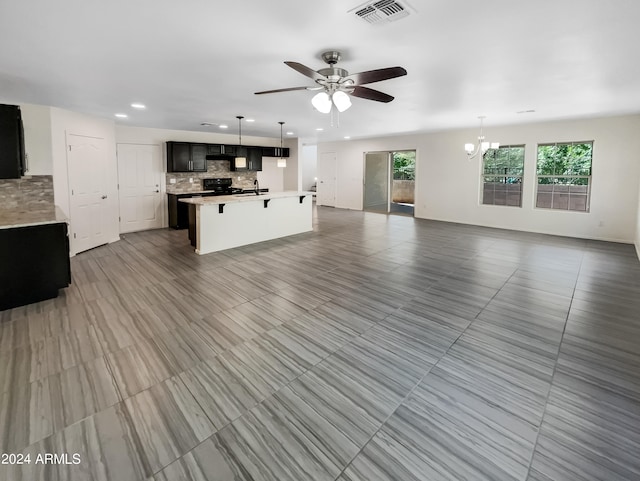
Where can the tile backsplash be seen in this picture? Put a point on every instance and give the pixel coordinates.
(215, 168)
(29, 193)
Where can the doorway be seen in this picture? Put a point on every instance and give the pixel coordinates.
(327, 172)
(389, 182)
(139, 180)
(89, 206)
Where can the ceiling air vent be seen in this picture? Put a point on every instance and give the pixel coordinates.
(382, 11)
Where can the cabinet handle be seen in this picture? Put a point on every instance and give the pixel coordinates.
(104, 197)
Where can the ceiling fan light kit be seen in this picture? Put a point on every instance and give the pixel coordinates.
(322, 102)
(483, 145)
(337, 86)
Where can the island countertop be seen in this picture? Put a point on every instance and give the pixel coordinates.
(11, 218)
(228, 199)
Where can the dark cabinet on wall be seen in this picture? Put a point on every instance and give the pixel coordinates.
(222, 150)
(275, 151)
(190, 157)
(186, 157)
(253, 156)
(12, 154)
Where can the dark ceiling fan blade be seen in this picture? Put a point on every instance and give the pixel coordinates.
(304, 70)
(370, 94)
(371, 76)
(286, 90)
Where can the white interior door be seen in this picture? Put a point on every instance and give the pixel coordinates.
(89, 203)
(139, 179)
(327, 172)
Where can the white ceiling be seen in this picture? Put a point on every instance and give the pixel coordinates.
(193, 61)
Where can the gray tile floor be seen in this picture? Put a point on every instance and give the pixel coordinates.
(375, 348)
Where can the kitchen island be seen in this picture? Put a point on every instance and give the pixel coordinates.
(228, 221)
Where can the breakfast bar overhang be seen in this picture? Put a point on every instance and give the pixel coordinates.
(225, 222)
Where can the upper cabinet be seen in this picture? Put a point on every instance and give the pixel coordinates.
(275, 151)
(12, 154)
(186, 157)
(221, 150)
(190, 157)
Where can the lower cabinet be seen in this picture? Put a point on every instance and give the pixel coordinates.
(179, 211)
(34, 263)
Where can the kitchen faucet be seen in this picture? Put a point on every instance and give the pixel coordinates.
(256, 187)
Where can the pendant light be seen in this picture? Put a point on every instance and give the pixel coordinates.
(282, 162)
(241, 161)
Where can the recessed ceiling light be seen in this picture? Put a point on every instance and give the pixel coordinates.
(319, 129)
(289, 133)
(347, 137)
(140, 106)
(249, 120)
(122, 116)
(223, 126)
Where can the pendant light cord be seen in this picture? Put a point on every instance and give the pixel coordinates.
(240, 117)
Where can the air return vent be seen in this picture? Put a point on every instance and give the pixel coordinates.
(382, 11)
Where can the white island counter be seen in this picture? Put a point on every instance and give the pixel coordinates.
(227, 221)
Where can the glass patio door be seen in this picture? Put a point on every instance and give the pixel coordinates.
(389, 182)
(376, 181)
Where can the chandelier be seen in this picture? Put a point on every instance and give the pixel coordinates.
(482, 146)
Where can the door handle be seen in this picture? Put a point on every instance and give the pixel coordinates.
(104, 197)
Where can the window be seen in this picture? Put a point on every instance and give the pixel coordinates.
(502, 176)
(564, 176)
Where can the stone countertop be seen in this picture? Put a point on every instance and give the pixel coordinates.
(228, 199)
(10, 218)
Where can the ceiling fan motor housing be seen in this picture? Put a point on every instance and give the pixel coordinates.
(331, 57)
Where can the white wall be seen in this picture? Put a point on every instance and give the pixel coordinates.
(637, 239)
(64, 122)
(448, 185)
(292, 172)
(309, 166)
(36, 120)
(143, 135)
(271, 175)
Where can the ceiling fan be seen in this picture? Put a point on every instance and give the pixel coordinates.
(336, 85)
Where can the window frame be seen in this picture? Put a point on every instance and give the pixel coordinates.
(484, 176)
(589, 179)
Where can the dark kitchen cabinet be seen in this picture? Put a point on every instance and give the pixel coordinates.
(222, 150)
(12, 154)
(186, 157)
(275, 152)
(199, 157)
(34, 263)
(179, 211)
(254, 158)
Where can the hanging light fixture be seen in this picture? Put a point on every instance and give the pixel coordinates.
(324, 101)
(282, 162)
(241, 161)
(483, 145)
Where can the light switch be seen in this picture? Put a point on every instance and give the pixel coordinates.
(172, 181)
(191, 180)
